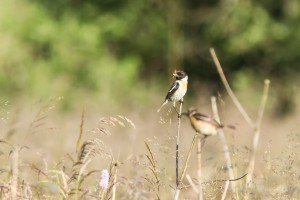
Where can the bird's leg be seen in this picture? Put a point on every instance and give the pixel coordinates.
(181, 102)
(178, 114)
(203, 140)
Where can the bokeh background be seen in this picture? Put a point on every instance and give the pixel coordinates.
(89, 48)
(112, 57)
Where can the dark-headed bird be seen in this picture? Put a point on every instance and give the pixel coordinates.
(177, 90)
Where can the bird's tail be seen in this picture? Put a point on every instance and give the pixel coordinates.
(227, 126)
(230, 126)
(164, 103)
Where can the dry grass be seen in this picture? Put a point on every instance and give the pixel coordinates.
(57, 169)
(48, 155)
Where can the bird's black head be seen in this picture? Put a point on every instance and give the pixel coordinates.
(179, 75)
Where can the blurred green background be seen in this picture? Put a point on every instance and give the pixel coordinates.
(117, 52)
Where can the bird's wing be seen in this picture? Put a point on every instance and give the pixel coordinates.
(207, 119)
(173, 88)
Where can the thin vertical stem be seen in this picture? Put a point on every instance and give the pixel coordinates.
(15, 172)
(199, 174)
(102, 194)
(114, 190)
(176, 196)
(80, 131)
(225, 146)
(255, 126)
(192, 183)
(257, 132)
(177, 143)
(225, 190)
(177, 151)
(188, 158)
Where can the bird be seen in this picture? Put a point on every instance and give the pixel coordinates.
(203, 124)
(177, 90)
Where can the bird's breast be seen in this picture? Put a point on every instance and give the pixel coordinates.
(203, 127)
(180, 92)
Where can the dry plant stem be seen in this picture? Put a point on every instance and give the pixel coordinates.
(114, 186)
(188, 158)
(115, 179)
(80, 132)
(102, 194)
(153, 169)
(15, 173)
(225, 190)
(257, 132)
(192, 183)
(83, 167)
(255, 127)
(177, 143)
(228, 89)
(176, 196)
(177, 151)
(199, 151)
(224, 143)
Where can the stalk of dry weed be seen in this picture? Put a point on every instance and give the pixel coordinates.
(176, 196)
(192, 183)
(254, 126)
(199, 151)
(114, 189)
(225, 146)
(15, 172)
(188, 158)
(80, 177)
(153, 168)
(199, 170)
(225, 190)
(257, 132)
(78, 144)
(177, 143)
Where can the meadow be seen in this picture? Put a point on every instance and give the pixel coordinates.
(80, 83)
(50, 154)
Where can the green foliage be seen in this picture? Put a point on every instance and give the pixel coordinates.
(93, 47)
(257, 37)
(42, 56)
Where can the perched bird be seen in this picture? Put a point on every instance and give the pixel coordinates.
(203, 124)
(177, 90)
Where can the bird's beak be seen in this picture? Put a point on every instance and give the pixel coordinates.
(185, 113)
(175, 74)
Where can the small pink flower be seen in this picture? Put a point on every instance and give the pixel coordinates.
(104, 179)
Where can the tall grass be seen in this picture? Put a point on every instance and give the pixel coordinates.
(71, 175)
(73, 169)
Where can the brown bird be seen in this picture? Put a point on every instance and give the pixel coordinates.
(203, 124)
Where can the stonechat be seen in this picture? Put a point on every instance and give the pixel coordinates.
(177, 90)
(203, 124)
